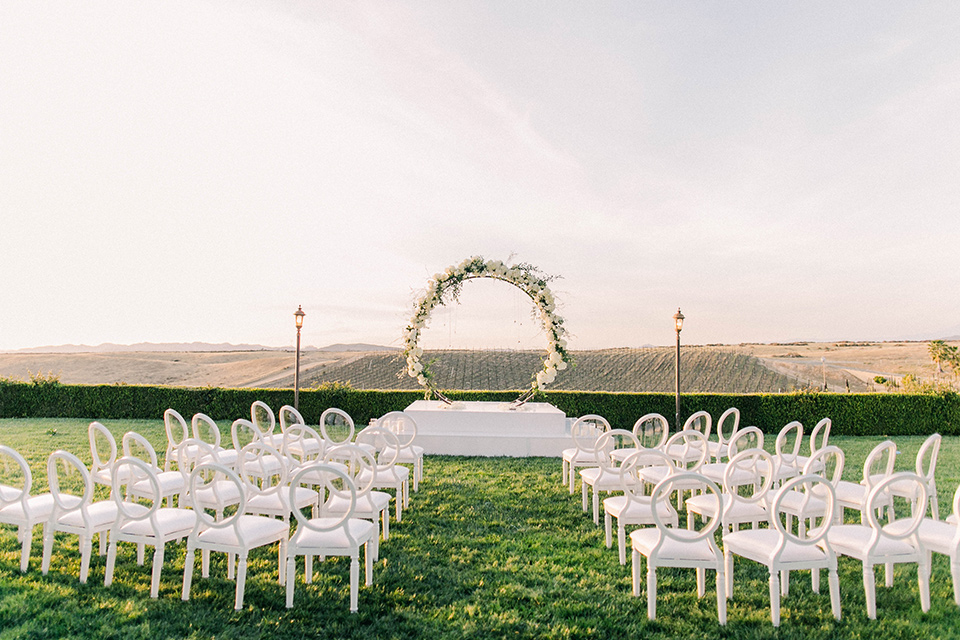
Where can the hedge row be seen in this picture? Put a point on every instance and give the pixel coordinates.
(852, 414)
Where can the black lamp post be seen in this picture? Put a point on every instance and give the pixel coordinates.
(678, 319)
(298, 316)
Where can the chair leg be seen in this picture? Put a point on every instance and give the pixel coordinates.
(596, 505)
(834, 581)
(26, 539)
(701, 581)
(385, 519)
(47, 549)
(241, 580)
(955, 575)
(728, 573)
(721, 596)
(584, 490)
(774, 597)
(572, 477)
(354, 580)
(607, 529)
(622, 541)
(103, 543)
(785, 583)
(86, 550)
(291, 578)
(282, 561)
(651, 591)
(368, 561)
(187, 573)
(111, 561)
(923, 578)
(815, 580)
(635, 571)
(563, 472)
(870, 590)
(157, 569)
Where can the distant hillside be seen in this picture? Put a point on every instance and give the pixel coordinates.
(181, 347)
(703, 369)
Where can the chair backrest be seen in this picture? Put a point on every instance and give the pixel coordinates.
(817, 504)
(609, 441)
(927, 457)
(336, 427)
(360, 464)
(263, 417)
(213, 479)
(688, 448)
(64, 499)
(956, 510)
(879, 463)
(585, 431)
(126, 471)
(18, 480)
(660, 501)
(827, 463)
(100, 439)
(820, 435)
(743, 439)
(752, 468)
(652, 430)
(301, 445)
(136, 446)
(261, 469)
(728, 424)
(289, 416)
(384, 442)
(899, 527)
(205, 428)
(699, 421)
(336, 483)
(788, 442)
(630, 480)
(177, 432)
(401, 424)
(191, 453)
(243, 432)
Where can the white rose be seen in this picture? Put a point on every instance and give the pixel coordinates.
(549, 375)
(561, 365)
(417, 352)
(555, 358)
(540, 378)
(422, 379)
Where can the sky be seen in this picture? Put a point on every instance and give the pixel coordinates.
(193, 170)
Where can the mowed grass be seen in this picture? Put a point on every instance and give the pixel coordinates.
(490, 548)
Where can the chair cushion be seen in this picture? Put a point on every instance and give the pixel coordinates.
(759, 544)
(636, 511)
(171, 523)
(852, 540)
(257, 531)
(38, 508)
(644, 541)
(334, 542)
(939, 536)
(100, 513)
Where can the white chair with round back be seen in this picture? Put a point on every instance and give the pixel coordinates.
(17, 506)
(605, 477)
(205, 429)
(405, 428)
(727, 427)
(584, 431)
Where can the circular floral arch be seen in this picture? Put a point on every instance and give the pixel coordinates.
(446, 286)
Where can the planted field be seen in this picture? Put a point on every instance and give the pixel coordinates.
(490, 548)
(704, 369)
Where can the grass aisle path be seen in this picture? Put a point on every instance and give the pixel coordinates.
(490, 548)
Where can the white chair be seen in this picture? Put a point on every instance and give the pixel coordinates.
(700, 422)
(215, 496)
(147, 524)
(633, 508)
(727, 427)
(17, 506)
(340, 535)
(171, 482)
(787, 451)
(670, 546)
(370, 504)
(651, 430)
(265, 483)
(819, 438)
(877, 466)
(387, 475)
(606, 475)
(688, 450)
(177, 432)
(205, 429)
(301, 445)
(746, 438)
(405, 428)
(944, 537)
(584, 431)
(103, 450)
(262, 416)
(926, 469)
(336, 427)
(827, 463)
(236, 534)
(75, 514)
(782, 550)
(896, 542)
(750, 468)
(289, 416)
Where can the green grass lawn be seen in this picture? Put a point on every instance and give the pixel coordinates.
(490, 548)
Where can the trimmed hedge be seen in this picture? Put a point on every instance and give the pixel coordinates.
(852, 414)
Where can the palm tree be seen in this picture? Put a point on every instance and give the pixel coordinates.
(940, 352)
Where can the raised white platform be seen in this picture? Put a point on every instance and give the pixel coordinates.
(536, 429)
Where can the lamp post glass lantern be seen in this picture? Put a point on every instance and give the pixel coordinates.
(298, 316)
(678, 322)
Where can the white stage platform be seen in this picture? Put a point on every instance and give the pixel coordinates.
(490, 428)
